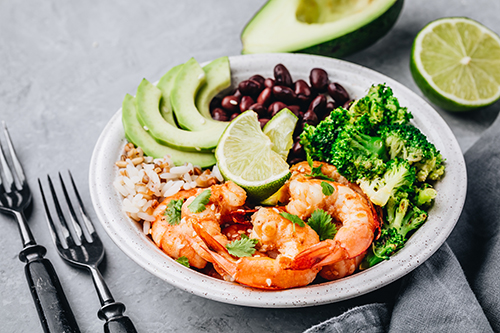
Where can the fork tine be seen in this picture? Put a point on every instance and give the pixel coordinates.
(15, 161)
(50, 221)
(64, 226)
(74, 219)
(86, 219)
(8, 179)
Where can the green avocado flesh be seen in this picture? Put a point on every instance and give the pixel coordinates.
(148, 112)
(165, 85)
(327, 27)
(136, 134)
(189, 80)
(151, 118)
(217, 78)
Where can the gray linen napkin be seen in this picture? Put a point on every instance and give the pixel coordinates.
(458, 288)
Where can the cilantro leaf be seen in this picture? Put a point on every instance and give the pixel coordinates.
(198, 204)
(327, 188)
(173, 211)
(183, 261)
(316, 171)
(294, 219)
(243, 247)
(321, 222)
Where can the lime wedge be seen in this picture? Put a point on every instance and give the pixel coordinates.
(456, 63)
(245, 156)
(280, 130)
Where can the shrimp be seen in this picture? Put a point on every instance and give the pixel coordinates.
(357, 217)
(341, 268)
(224, 199)
(275, 233)
(328, 170)
(180, 239)
(174, 239)
(278, 240)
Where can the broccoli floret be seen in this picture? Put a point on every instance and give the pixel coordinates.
(407, 142)
(398, 177)
(357, 155)
(401, 219)
(318, 140)
(432, 168)
(389, 242)
(425, 195)
(381, 108)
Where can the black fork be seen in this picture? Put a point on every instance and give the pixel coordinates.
(15, 197)
(84, 248)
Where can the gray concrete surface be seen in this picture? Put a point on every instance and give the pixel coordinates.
(64, 70)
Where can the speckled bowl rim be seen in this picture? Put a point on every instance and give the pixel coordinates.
(128, 235)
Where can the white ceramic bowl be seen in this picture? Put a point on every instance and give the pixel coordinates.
(128, 235)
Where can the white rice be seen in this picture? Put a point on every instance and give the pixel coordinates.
(145, 185)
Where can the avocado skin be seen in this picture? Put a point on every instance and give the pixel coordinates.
(358, 39)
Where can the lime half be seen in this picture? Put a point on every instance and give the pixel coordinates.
(245, 156)
(280, 130)
(456, 63)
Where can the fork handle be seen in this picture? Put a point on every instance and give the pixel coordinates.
(116, 322)
(51, 303)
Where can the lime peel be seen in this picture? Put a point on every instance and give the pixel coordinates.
(454, 59)
(245, 156)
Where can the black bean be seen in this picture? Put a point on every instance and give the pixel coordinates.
(299, 127)
(347, 104)
(245, 103)
(265, 96)
(219, 114)
(338, 93)
(269, 83)
(318, 106)
(215, 103)
(275, 108)
(295, 109)
(260, 109)
(302, 88)
(311, 118)
(330, 106)
(258, 78)
(284, 94)
(234, 115)
(319, 79)
(297, 150)
(303, 92)
(231, 103)
(250, 87)
(282, 75)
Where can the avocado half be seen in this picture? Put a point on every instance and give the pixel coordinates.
(333, 28)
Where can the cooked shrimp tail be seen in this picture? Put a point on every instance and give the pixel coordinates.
(208, 239)
(342, 268)
(324, 253)
(358, 218)
(257, 271)
(263, 272)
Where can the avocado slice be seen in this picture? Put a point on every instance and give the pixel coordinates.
(218, 78)
(135, 133)
(327, 27)
(187, 83)
(165, 85)
(148, 113)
